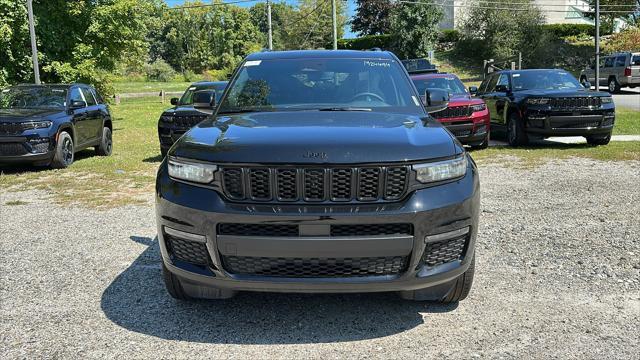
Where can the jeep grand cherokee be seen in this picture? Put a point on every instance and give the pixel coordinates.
(321, 171)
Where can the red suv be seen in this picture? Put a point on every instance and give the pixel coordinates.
(466, 117)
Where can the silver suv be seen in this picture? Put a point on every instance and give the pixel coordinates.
(616, 71)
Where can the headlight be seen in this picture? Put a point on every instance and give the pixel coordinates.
(36, 125)
(191, 171)
(538, 101)
(441, 170)
(166, 118)
(478, 107)
(606, 100)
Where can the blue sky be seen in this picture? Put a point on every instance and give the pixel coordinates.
(351, 8)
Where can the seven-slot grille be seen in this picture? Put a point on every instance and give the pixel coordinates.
(188, 121)
(286, 184)
(453, 112)
(11, 128)
(575, 102)
(315, 267)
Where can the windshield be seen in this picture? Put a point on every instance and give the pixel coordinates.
(187, 97)
(321, 84)
(33, 97)
(451, 84)
(544, 80)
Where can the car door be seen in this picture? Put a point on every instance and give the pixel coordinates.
(94, 115)
(488, 93)
(501, 99)
(619, 66)
(606, 70)
(79, 117)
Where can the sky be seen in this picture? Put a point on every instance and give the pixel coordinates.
(351, 9)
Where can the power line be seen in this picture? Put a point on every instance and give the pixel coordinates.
(195, 6)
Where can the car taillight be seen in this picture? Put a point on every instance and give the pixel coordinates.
(627, 71)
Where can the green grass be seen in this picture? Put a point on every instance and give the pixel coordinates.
(627, 122)
(16, 203)
(149, 86)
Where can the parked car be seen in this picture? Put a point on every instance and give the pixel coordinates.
(616, 71)
(186, 113)
(47, 124)
(544, 103)
(320, 171)
(466, 117)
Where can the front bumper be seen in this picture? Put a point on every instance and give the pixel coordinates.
(439, 209)
(570, 123)
(472, 130)
(30, 148)
(168, 135)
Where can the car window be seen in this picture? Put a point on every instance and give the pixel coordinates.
(621, 61)
(187, 97)
(491, 85)
(635, 60)
(503, 80)
(88, 96)
(97, 96)
(544, 80)
(75, 95)
(36, 97)
(322, 83)
(483, 86)
(608, 62)
(449, 83)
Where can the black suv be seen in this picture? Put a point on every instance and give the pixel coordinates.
(187, 111)
(542, 103)
(47, 124)
(321, 171)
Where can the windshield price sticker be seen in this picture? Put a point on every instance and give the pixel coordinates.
(377, 63)
(252, 63)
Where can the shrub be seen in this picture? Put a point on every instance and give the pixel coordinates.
(188, 76)
(84, 72)
(366, 42)
(627, 40)
(564, 30)
(218, 75)
(449, 36)
(159, 70)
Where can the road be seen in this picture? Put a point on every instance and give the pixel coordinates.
(628, 98)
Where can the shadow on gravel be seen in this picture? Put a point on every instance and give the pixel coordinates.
(137, 301)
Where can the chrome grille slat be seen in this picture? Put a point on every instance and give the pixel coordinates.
(313, 184)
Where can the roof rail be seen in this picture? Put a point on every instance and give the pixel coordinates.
(375, 49)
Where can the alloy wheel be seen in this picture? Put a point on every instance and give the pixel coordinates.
(67, 151)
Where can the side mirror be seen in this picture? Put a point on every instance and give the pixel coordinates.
(204, 99)
(174, 101)
(586, 84)
(473, 90)
(436, 100)
(77, 104)
(502, 88)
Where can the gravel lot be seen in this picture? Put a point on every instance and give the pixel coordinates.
(558, 275)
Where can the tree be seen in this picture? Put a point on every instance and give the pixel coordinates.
(373, 17)
(15, 50)
(311, 27)
(627, 10)
(501, 35)
(414, 27)
(280, 13)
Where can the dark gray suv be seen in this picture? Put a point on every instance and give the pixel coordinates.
(321, 171)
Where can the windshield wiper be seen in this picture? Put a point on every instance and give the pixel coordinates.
(344, 109)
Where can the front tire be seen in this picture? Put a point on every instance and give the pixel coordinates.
(64, 152)
(451, 292)
(105, 147)
(596, 141)
(516, 136)
(173, 285)
(483, 145)
(613, 85)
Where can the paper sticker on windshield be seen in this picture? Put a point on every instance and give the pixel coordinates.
(415, 101)
(57, 90)
(252, 63)
(516, 75)
(377, 63)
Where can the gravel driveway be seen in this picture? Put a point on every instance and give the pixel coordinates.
(557, 276)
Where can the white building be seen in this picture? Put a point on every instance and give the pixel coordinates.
(555, 11)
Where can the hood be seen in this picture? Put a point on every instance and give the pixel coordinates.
(463, 99)
(561, 93)
(187, 110)
(23, 115)
(316, 137)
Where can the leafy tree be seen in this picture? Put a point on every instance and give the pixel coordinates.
(15, 50)
(280, 12)
(311, 27)
(500, 35)
(624, 9)
(414, 27)
(373, 17)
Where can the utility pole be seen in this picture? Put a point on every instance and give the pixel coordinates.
(335, 26)
(34, 48)
(597, 45)
(270, 34)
